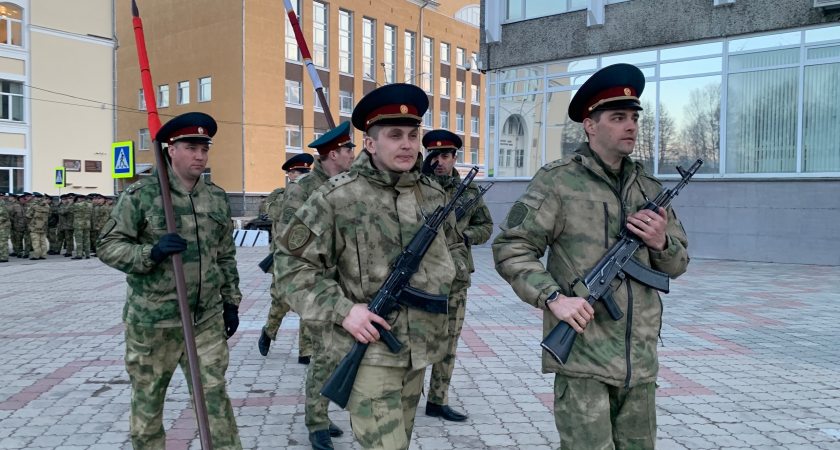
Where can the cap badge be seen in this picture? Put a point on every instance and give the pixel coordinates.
(201, 130)
(438, 143)
(626, 91)
(403, 109)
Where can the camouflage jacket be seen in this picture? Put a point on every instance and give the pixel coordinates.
(65, 217)
(37, 215)
(339, 249)
(100, 216)
(274, 209)
(81, 214)
(263, 208)
(18, 215)
(573, 207)
(476, 226)
(203, 219)
(298, 191)
(54, 219)
(5, 217)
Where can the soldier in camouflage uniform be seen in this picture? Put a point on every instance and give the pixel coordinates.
(263, 206)
(100, 216)
(295, 167)
(604, 396)
(475, 226)
(20, 238)
(5, 229)
(37, 218)
(135, 241)
(65, 224)
(82, 210)
(52, 226)
(335, 156)
(339, 248)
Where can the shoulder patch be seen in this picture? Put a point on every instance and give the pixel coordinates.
(298, 236)
(339, 180)
(564, 161)
(141, 184)
(516, 215)
(288, 215)
(429, 181)
(649, 176)
(213, 185)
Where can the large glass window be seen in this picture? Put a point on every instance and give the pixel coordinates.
(11, 101)
(474, 125)
(293, 96)
(345, 104)
(444, 120)
(320, 37)
(428, 62)
(460, 56)
(689, 124)
(409, 63)
(444, 86)
(428, 119)
(345, 41)
(369, 48)
(444, 52)
(390, 56)
(459, 123)
(526, 9)
(470, 14)
(460, 91)
(293, 138)
(821, 119)
(292, 51)
(11, 174)
(11, 17)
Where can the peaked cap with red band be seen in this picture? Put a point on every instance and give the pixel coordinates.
(392, 104)
(193, 126)
(333, 140)
(442, 141)
(614, 87)
(302, 161)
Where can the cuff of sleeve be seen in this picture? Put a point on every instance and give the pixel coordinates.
(665, 255)
(146, 255)
(232, 300)
(544, 296)
(341, 309)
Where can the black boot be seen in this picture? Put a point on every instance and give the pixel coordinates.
(444, 412)
(264, 343)
(334, 430)
(13, 254)
(67, 255)
(76, 257)
(303, 360)
(4, 260)
(52, 252)
(321, 440)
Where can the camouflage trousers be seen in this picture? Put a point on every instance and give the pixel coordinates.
(442, 371)
(321, 367)
(5, 234)
(65, 238)
(591, 415)
(278, 311)
(151, 356)
(94, 234)
(52, 236)
(39, 244)
(81, 236)
(383, 404)
(21, 242)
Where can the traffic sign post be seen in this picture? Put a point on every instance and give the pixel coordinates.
(122, 159)
(60, 177)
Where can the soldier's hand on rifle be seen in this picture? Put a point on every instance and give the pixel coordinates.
(650, 227)
(359, 323)
(575, 311)
(168, 244)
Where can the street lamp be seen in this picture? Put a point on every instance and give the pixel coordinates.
(468, 66)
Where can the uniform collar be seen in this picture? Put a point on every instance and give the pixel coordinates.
(175, 184)
(318, 170)
(593, 162)
(364, 165)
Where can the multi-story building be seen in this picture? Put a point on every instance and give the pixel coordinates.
(242, 65)
(749, 86)
(56, 94)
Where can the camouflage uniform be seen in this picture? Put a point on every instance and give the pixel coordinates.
(37, 217)
(5, 230)
(154, 338)
(81, 227)
(604, 395)
(263, 207)
(476, 226)
(98, 219)
(20, 235)
(65, 227)
(337, 253)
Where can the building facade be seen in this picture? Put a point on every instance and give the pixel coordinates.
(241, 64)
(752, 87)
(56, 94)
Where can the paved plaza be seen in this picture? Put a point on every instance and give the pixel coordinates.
(750, 358)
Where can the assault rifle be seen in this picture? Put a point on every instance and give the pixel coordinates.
(394, 292)
(618, 262)
(266, 263)
(461, 210)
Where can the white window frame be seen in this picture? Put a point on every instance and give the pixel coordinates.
(445, 52)
(444, 87)
(345, 42)
(294, 89)
(568, 8)
(143, 137)
(475, 93)
(292, 49)
(321, 50)
(428, 69)
(317, 101)
(183, 92)
(390, 33)
(10, 25)
(369, 48)
(428, 119)
(474, 125)
(141, 101)
(473, 156)
(444, 120)
(459, 123)
(15, 98)
(460, 91)
(345, 102)
(290, 130)
(163, 96)
(202, 83)
(410, 57)
(460, 57)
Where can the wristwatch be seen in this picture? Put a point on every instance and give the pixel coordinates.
(553, 297)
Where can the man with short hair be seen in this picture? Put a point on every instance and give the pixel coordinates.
(604, 395)
(135, 241)
(338, 250)
(37, 217)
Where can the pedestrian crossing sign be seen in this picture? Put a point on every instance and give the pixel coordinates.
(60, 177)
(122, 159)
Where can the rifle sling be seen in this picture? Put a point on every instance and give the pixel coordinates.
(417, 299)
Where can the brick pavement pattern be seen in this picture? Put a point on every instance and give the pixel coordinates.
(750, 358)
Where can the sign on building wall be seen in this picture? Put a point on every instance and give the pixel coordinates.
(122, 159)
(93, 166)
(60, 177)
(73, 165)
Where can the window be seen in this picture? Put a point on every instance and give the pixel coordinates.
(205, 175)
(459, 123)
(460, 56)
(345, 42)
(821, 134)
(11, 174)
(11, 101)
(409, 62)
(183, 92)
(11, 24)
(444, 120)
(318, 99)
(428, 60)
(390, 54)
(459, 156)
(473, 156)
(319, 132)
(473, 61)
(444, 52)
(474, 94)
(292, 52)
(293, 137)
(144, 141)
(526, 9)
(163, 96)
(474, 125)
(369, 48)
(142, 101)
(470, 14)
(204, 89)
(319, 34)
(345, 102)
(427, 119)
(460, 90)
(444, 87)
(293, 96)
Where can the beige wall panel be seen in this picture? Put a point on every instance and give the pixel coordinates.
(61, 131)
(13, 66)
(13, 141)
(74, 16)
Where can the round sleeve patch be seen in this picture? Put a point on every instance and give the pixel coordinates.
(298, 236)
(517, 215)
(288, 215)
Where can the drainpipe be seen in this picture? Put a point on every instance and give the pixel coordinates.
(114, 74)
(244, 205)
(420, 38)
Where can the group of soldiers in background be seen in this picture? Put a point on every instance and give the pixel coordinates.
(38, 226)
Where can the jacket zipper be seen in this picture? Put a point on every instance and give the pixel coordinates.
(198, 243)
(627, 334)
(606, 226)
